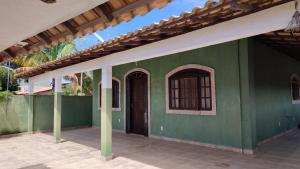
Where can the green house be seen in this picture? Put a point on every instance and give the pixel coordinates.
(233, 95)
(226, 79)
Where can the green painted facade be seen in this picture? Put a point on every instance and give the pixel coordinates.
(76, 111)
(253, 98)
(252, 95)
(223, 129)
(275, 112)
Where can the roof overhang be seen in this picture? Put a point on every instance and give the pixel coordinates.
(23, 19)
(187, 32)
(28, 26)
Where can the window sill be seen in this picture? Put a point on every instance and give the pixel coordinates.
(296, 102)
(192, 112)
(113, 109)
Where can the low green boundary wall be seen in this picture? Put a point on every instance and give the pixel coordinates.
(76, 112)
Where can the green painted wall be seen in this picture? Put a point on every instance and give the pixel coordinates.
(13, 115)
(222, 129)
(273, 102)
(43, 112)
(117, 118)
(76, 111)
(248, 118)
(96, 111)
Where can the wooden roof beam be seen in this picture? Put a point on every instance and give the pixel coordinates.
(10, 53)
(44, 38)
(131, 7)
(92, 23)
(105, 12)
(26, 47)
(70, 27)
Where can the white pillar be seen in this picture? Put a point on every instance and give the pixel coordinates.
(106, 113)
(57, 109)
(58, 84)
(30, 106)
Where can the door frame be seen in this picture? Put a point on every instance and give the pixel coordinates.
(148, 93)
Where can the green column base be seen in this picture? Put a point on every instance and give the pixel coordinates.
(30, 114)
(57, 117)
(106, 124)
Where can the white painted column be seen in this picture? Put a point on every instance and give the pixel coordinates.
(57, 109)
(30, 106)
(106, 113)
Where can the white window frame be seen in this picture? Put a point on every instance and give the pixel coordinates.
(213, 91)
(115, 109)
(294, 75)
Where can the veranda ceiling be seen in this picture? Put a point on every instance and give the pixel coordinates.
(286, 42)
(28, 26)
(212, 13)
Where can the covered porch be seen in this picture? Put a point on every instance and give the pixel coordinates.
(195, 41)
(80, 150)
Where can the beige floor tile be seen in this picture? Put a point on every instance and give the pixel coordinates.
(80, 151)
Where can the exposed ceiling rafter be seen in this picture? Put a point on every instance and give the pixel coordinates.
(44, 38)
(70, 27)
(105, 12)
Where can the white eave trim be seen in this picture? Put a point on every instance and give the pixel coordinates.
(268, 20)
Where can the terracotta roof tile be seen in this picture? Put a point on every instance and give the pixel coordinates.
(212, 13)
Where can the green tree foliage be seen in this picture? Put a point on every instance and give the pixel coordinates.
(87, 85)
(47, 55)
(13, 84)
(5, 95)
(54, 53)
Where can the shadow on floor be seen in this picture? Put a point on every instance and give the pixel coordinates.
(38, 166)
(283, 152)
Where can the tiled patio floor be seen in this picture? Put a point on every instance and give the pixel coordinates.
(38, 151)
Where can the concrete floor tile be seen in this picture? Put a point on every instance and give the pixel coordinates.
(80, 151)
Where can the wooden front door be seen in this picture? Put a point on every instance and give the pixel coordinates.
(137, 103)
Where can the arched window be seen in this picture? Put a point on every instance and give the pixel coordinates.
(295, 88)
(115, 94)
(191, 90)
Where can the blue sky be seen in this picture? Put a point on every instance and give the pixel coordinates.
(175, 8)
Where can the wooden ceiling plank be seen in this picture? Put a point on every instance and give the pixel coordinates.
(92, 23)
(105, 12)
(44, 38)
(10, 53)
(131, 7)
(70, 27)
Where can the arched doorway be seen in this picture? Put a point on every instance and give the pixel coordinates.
(137, 95)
